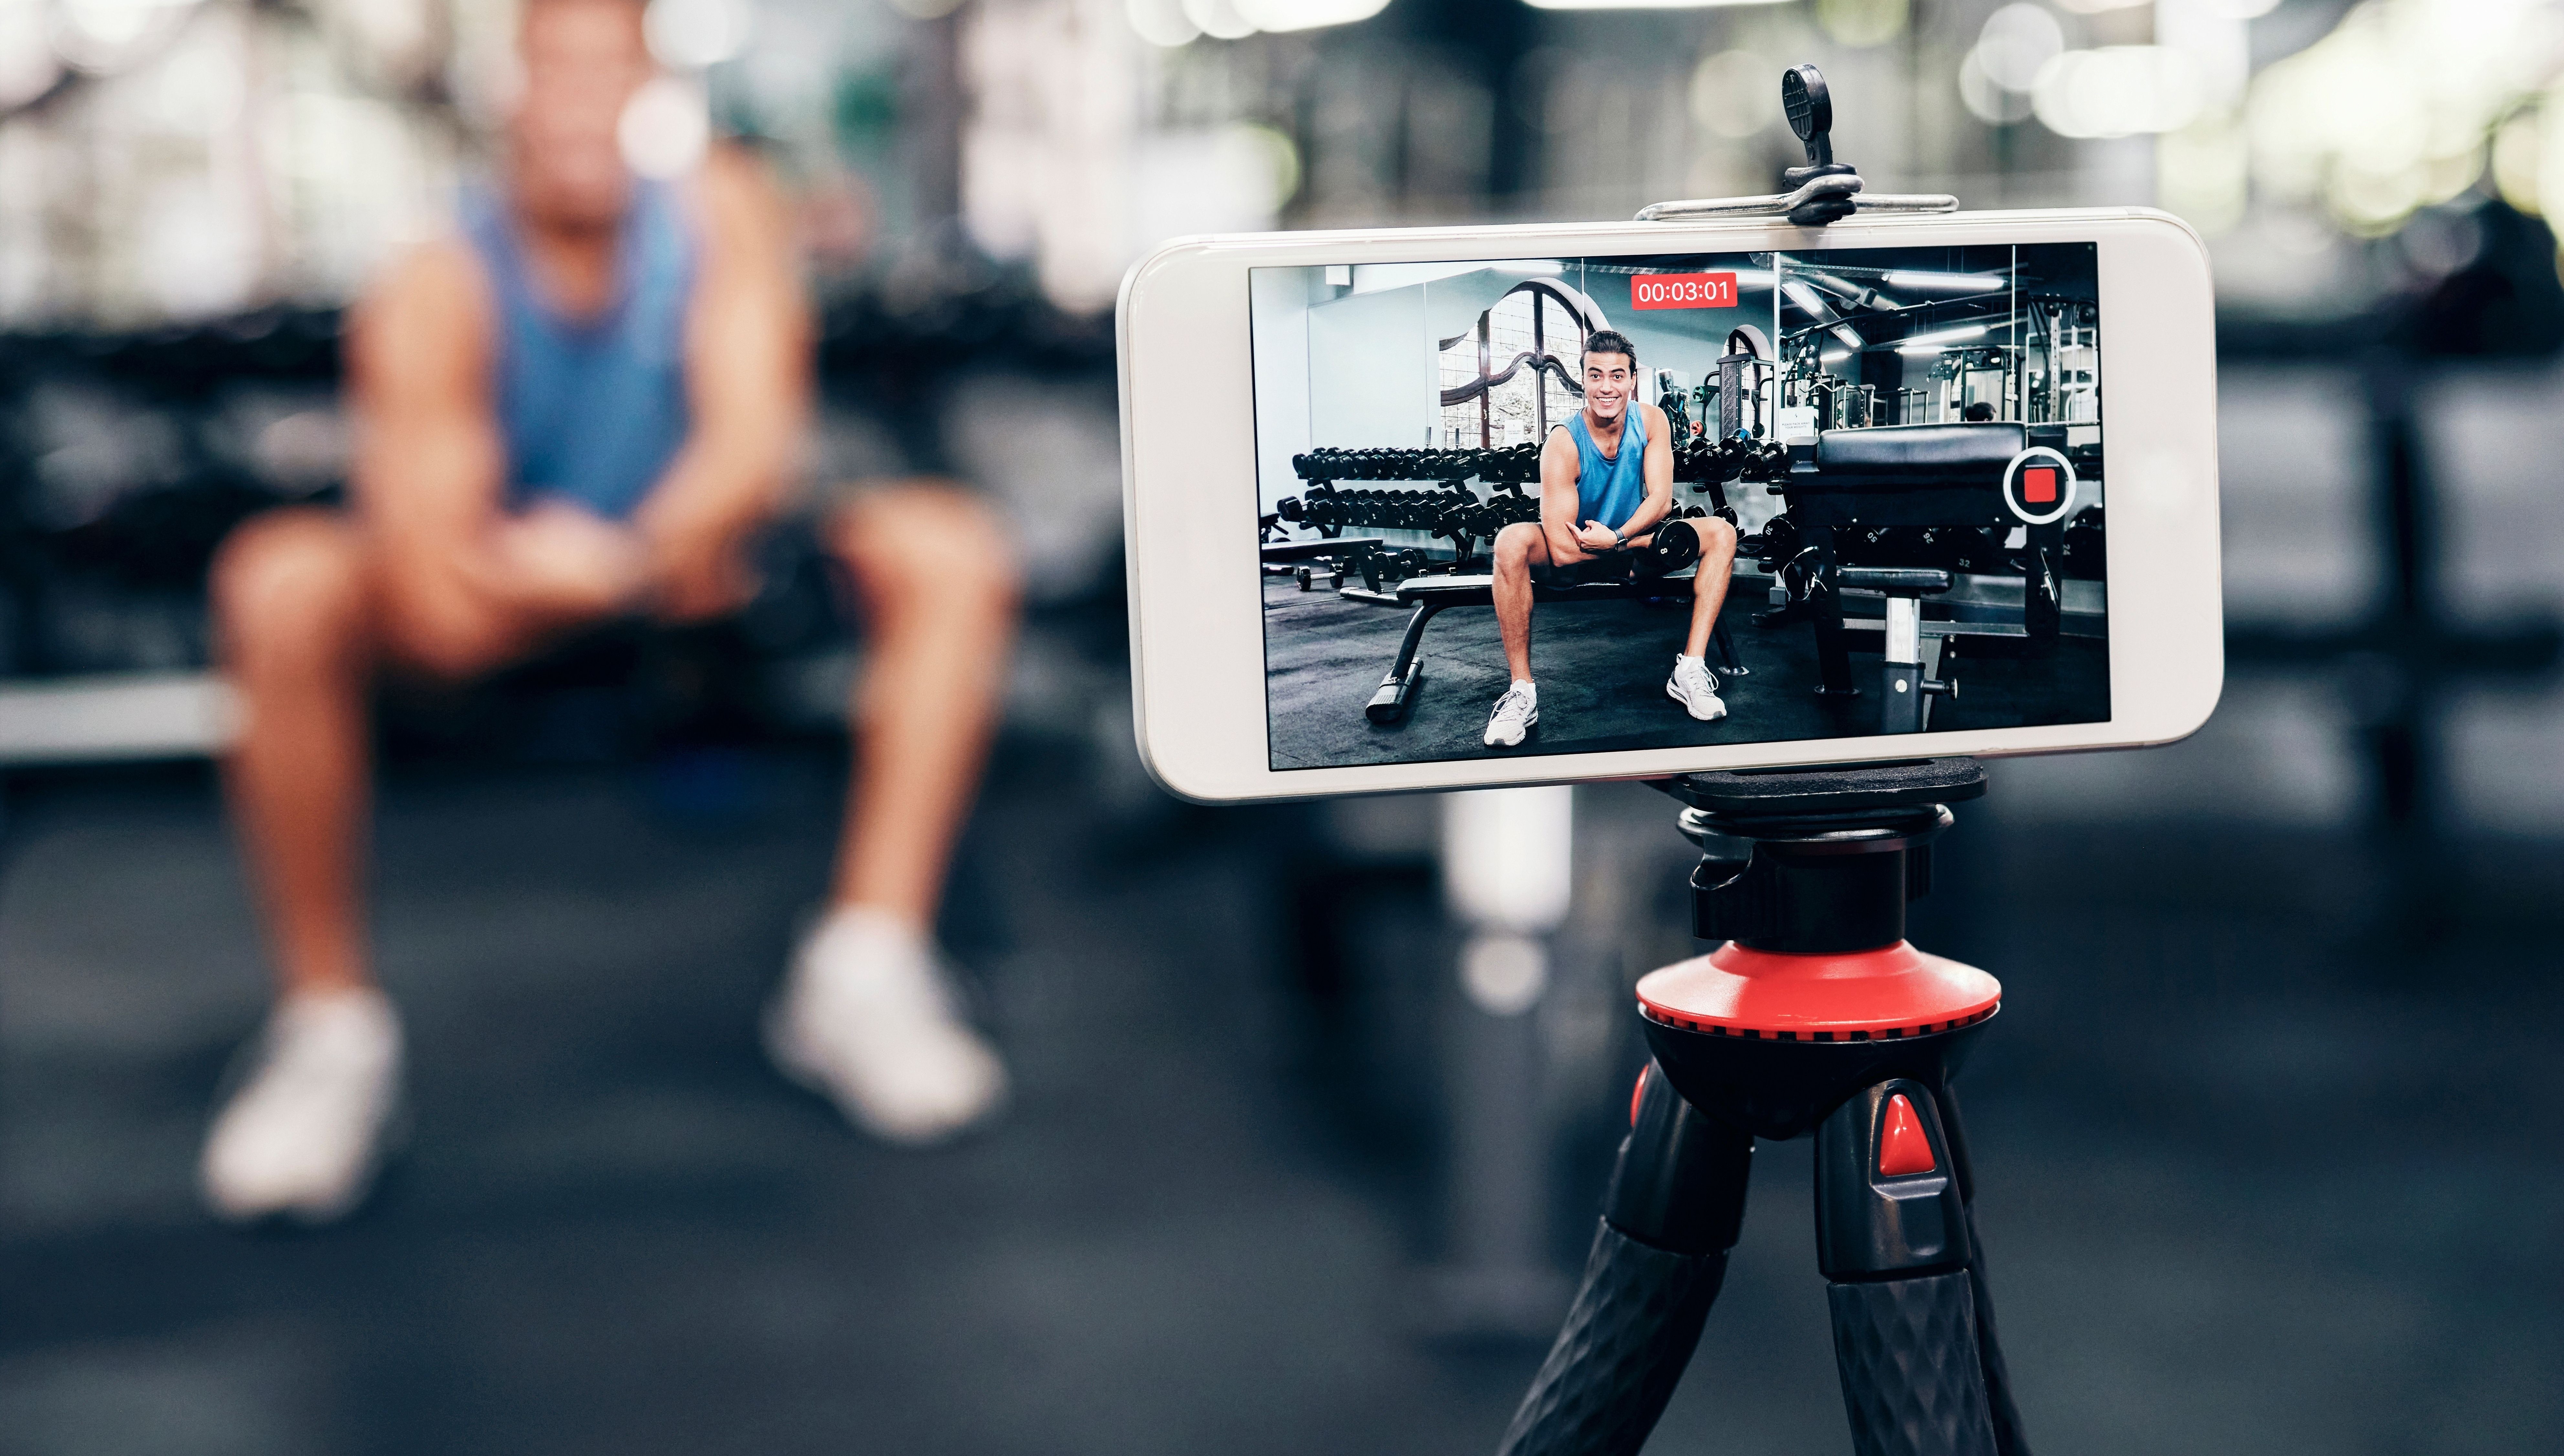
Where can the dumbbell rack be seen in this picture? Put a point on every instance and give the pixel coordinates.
(1453, 510)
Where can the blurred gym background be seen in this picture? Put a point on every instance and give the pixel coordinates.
(2264, 1129)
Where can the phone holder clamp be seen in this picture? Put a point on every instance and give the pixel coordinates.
(1823, 191)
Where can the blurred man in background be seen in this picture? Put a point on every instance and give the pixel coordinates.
(584, 406)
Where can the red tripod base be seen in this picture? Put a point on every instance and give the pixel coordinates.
(1771, 1041)
(1891, 992)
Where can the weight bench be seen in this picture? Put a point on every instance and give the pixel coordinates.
(1433, 595)
(1283, 552)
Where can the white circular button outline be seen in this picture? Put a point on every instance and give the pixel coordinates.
(2065, 498)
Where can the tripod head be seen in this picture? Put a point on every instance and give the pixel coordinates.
(1805, 875)
(1813, 861)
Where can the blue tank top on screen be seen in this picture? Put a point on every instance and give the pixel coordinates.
(1610, 490)
(592, 409)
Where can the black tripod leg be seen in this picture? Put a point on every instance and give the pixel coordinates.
(1892, 1237)
(1676, 1205)
(2009, 1440)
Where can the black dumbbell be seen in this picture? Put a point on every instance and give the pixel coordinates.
(1673, 545)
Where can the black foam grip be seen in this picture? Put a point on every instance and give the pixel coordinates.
(1907, 1352)
(1626, 1343)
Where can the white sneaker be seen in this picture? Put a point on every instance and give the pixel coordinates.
(305, 1135)
(1693, 688)
(1515, 713)
(867, 1017)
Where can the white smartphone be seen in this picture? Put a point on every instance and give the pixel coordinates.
(1456, 507)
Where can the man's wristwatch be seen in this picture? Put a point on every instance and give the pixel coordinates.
(1618, 541)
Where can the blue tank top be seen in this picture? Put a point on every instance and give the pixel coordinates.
(593, 409)
(1610, 490)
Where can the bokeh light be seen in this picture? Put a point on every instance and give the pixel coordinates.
(693, 34)
(2118, 90)
(1863, 22)
(2395, 109)
(1730, 93)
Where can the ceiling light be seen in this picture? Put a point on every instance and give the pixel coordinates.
(1932, 343)
(1946, 283)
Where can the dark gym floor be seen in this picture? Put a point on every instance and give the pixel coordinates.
(1602, 668)
(2263, 1171)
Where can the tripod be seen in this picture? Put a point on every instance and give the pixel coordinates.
(1816, 1015)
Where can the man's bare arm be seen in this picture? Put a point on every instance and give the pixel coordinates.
(1559, 500)
(1657, 470)
(747, 380)
(430, 471)
(429, 466)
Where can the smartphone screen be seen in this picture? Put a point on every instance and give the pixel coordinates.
(1472, 471)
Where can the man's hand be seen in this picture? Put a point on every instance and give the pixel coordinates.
(1594, 536)
(696, 567)
(558, 560)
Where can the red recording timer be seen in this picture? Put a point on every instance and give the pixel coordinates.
(1683, 290)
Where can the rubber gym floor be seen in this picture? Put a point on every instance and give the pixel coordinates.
(2261, 1172)
(1602, 668)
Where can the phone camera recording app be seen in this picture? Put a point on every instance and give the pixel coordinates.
(1587, 504)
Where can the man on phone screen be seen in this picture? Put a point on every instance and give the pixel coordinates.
(583, 405)
(1606, 482)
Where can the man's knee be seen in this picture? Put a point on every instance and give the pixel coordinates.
(288, 590)
(1717, 538)
(927, 542)
(1514, 546)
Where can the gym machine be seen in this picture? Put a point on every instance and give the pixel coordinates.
(1904, 511)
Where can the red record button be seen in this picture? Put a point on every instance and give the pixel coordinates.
(2039, 486)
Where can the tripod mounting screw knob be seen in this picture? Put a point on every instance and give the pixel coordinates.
(1810, 108)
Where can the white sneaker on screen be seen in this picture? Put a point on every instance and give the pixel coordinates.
(1694, 687)
(304, 1133)
(868, 1017)
(1515, 714)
